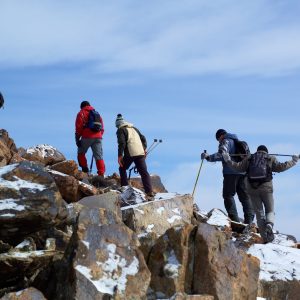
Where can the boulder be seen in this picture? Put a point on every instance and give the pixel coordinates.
(68, 167)
(5, 154)
(152, 219)
(29, 201)
(170, 264)
(220, 269)
(6, 140)
(157, 185)
(27, 294)
(107, 262)
(44, 154)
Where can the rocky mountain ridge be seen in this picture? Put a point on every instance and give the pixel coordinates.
(66, 235)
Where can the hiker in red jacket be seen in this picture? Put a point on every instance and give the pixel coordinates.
(87, 137)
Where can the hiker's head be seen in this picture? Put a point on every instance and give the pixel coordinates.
(262, 148)
(119, 120)
(220, 133)
(84, 103)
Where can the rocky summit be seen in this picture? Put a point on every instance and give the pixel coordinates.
(67, 235)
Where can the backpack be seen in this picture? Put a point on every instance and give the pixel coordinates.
(259, 170)
(241, 147)
(94, 121)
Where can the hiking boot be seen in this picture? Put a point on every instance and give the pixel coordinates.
(85, 169)
(269, 233)
(150, 196)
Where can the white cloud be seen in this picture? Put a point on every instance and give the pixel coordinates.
(176, 38)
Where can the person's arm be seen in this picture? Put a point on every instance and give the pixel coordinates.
(241, 166)
(102, 125)
(223, 148)
(283, 166)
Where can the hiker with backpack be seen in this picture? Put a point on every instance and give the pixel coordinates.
(259, 167)
(89, 130)
(132, 147)
(233, 181)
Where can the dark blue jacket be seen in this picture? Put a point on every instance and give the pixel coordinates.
(226, 145)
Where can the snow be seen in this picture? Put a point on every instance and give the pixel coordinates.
(148, 230)
(277, 262)
(218, 218)
(173, 219)
(23, 244)
(11, 204)
(115, 271)
(176, 211)
(165, 196)
(87, 244)
(24, 254)
(18, 183)
(160, 210)
(172, 265)
(56, 172)
(43, 150)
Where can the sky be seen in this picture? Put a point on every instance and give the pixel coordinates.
(177, 70)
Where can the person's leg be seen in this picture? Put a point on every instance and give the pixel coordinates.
(257, 204)
(245, 200)
(268, 201)
(98, 155)
(127, 161)
(141, 166)
(229, 190)
(85, 144)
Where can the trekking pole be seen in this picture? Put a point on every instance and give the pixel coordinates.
(91, 166)
(198, 175)
(151, 149)
(274, 154)
(154, 141)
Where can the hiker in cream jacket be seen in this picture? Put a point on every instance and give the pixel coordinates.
(132, 147)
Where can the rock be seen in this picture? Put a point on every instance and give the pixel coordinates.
(108, 261)
(171, 270)
(150, 220)
(29, 201)
(27, 294)
(68, 167)
(5, 154)
(7, 141)
(45, 154)
(182, 296)
(221, 269)
(157, 185)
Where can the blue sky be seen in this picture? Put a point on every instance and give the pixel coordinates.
(178, 70)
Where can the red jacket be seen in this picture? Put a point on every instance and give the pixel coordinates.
(81, 121)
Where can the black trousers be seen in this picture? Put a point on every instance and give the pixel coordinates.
(141, 166)
(235, 184)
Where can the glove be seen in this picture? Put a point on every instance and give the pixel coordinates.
(120, 161)
(204, 155)
(226, 156)
(78, 141)
(295, 158)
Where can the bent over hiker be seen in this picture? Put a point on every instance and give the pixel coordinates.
(132, 147)
(259, 167)
(87, 136)
(233, 182)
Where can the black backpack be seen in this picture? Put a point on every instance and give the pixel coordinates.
(259, 170)
(242, 148)
(94, 121)
(1, 100)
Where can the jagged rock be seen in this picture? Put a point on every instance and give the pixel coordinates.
(45, 154)
(20, 268)
(29, 201)
(108, 261)
(16, 158)
(171, 270)
(9, 142)
(182, 296)
(5, 154)
(27, 294)
(157, 185)
(109, 201)
(221, 269)
(68, 167)
(152, 219)
(70, 188)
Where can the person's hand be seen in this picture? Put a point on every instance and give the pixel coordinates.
(78, 140)
(120, 161)
(295, 158)
(226, 156)
(204, 155)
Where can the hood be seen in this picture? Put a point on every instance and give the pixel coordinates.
(126, 124)
(88, 108)
(231, 136)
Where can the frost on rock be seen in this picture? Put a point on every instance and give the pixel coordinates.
(115, 271)
(43, 150)
(172, 265)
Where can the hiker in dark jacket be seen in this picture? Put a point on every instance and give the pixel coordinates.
(233, 182)
(132, 147)
(86, 138)
(261, 191)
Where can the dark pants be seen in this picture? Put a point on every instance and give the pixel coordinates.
(233, 184)
(141, 166)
